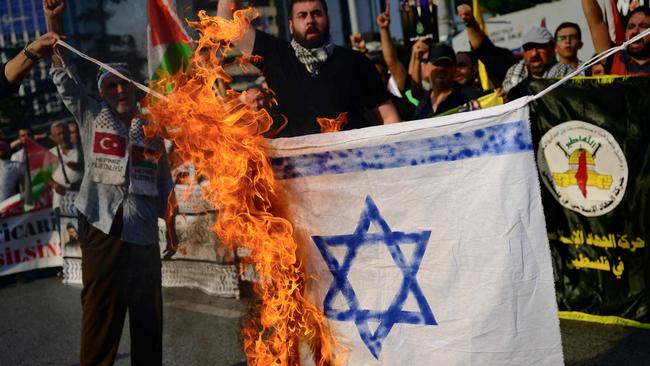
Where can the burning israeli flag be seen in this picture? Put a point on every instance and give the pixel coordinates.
(425, 241)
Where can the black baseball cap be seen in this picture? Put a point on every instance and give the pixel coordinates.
(441, 51)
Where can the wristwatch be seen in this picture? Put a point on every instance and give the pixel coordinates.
(30, 55)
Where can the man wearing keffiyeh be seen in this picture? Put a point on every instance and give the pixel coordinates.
(125, 189)
(311, 77)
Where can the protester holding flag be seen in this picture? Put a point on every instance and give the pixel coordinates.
(501, 65)
(636, 58)
(14, 71)
(123, 193)
(311, 76)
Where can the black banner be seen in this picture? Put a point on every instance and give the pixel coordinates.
(593, 154)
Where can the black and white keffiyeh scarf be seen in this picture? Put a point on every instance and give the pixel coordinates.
(315, 57)
(518, 72)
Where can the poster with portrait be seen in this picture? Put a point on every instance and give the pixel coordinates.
(419, 20)
(70, 237)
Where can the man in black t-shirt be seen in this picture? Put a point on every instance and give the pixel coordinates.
(312, 77)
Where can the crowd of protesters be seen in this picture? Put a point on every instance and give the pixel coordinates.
(62, 141)
(306, 78)
(436, 80)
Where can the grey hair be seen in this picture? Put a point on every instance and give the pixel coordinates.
(55, 125)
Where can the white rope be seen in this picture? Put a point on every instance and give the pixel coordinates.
(111, 70)
(588, 64)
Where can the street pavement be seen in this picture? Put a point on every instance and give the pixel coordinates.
(40, 325)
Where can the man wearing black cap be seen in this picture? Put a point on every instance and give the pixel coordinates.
(445, 93)
(124, 191)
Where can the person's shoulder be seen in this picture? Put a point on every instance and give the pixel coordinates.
(559, 70)
(15, 166)
(471, 91)
(265, 41)
(266, 37)
(350, 54)
(18, 155)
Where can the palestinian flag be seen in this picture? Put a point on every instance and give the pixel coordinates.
(593, 159)
(141, 158)
(169, 46)
(41, 163)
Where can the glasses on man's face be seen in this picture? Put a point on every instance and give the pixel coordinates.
(569, 37)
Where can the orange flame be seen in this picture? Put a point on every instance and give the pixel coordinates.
(222, 137)
(332, 125)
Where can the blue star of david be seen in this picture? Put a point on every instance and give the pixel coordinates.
(340, 284)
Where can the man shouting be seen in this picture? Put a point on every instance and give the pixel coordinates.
(312, 77)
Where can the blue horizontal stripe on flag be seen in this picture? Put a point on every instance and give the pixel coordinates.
(506, 138)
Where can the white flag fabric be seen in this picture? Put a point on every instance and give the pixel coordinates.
(426, 240)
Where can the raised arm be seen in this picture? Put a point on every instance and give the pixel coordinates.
(419, 49)
(53, 10)
(225, 9)
(395, 67)
(597, 26)
(73, 93)
(474, 32)
(18, 67)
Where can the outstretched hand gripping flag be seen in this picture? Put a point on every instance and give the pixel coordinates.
(169, 45)
(426, 240)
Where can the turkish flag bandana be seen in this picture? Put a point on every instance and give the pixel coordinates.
(109, 144)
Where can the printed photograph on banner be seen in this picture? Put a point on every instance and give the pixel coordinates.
(70, 237)
(583, 167)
